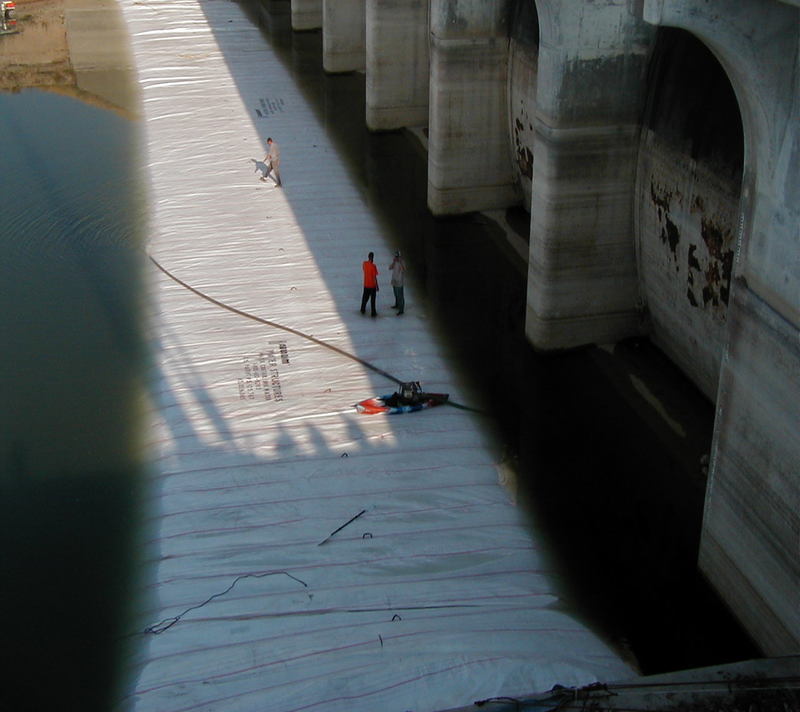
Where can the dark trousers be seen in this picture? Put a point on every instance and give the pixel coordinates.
(399, 299)
(369, 293)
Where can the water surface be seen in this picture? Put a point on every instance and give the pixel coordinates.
(71, 228)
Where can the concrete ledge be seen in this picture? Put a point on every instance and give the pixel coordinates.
(570, 332)
(306, 15)
(466, 199)
(342, 62)
(389, 118)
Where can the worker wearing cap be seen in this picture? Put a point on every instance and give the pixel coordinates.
(398, 270)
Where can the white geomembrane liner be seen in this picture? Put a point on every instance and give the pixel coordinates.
(435, 594)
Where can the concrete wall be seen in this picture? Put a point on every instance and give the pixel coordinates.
(397, 64)
(344, 35)
(750, 548)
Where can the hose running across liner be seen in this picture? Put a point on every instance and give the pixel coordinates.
(290, 330)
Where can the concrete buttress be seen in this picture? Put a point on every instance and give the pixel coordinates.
(582, 279)
(469, 165)
(344, 47)
(397, 64)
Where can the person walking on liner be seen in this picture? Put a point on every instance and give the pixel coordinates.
(398, 269)
(370, 283)
(273, 162)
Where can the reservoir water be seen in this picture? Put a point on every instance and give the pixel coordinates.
(605, 446)
(72, 362)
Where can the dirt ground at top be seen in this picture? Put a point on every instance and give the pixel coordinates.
(37, 55)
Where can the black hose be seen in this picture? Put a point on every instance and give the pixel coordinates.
(290, 330)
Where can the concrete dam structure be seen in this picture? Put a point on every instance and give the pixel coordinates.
(655, 146)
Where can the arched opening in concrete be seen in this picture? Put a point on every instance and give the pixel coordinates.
(689, 179)
(523, 66)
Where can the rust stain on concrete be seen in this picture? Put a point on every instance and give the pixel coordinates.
(670, 235)
(524, 154)
(712, 272)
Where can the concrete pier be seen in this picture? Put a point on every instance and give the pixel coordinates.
(469, 150)
(582, 271)
(397, 64)
(344, 44)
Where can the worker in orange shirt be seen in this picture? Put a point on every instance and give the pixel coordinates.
(370, 283)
